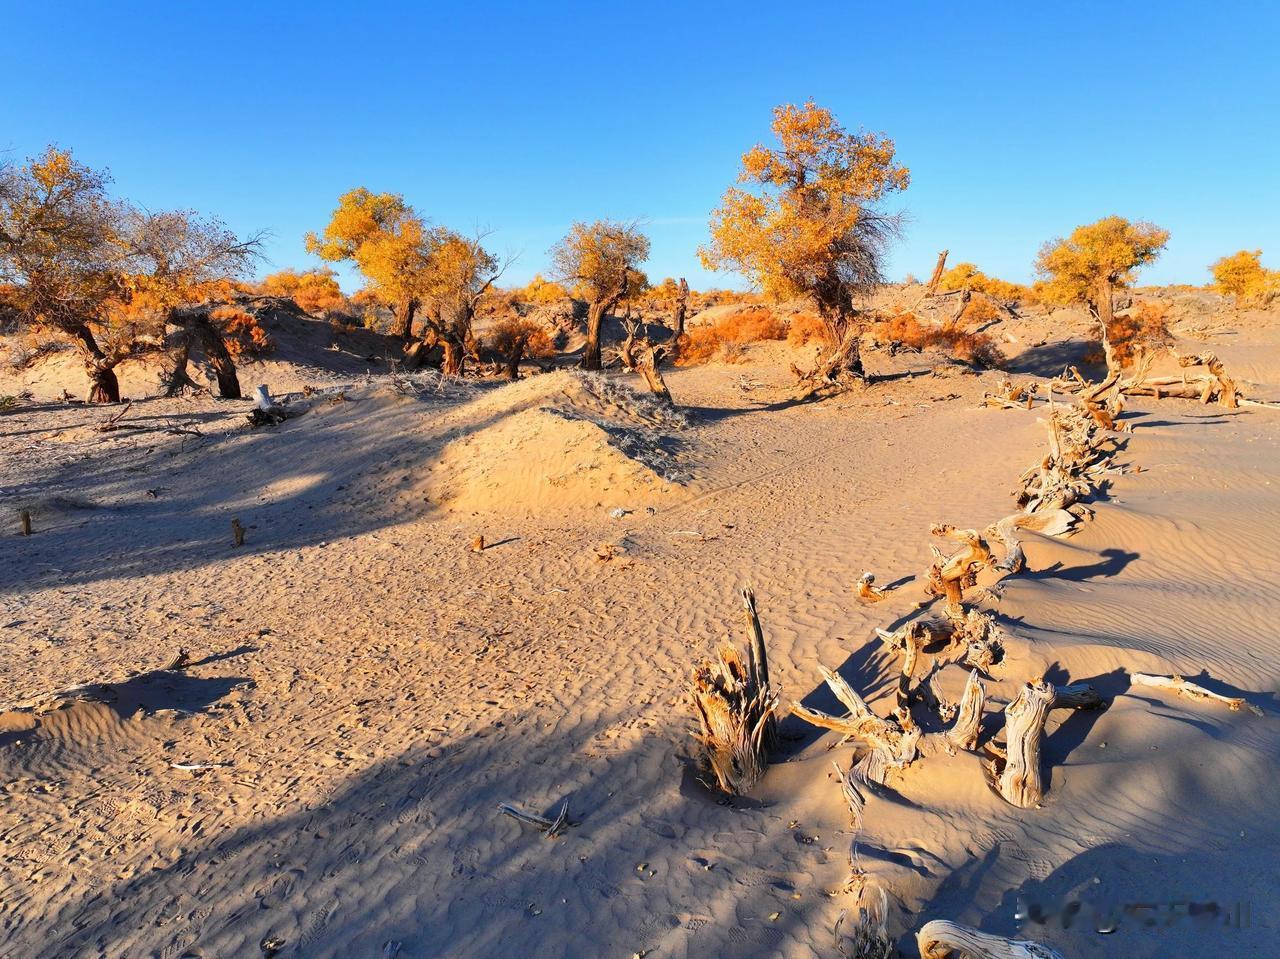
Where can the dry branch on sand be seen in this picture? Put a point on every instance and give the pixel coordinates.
(549, 827)
(868, 936)
(867, 590)
(1180, 686)
(1009, 395)
(736, 707)
(939, 939)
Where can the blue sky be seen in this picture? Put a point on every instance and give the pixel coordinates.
(1017, 123)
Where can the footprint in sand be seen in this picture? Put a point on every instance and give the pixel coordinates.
(317, 922)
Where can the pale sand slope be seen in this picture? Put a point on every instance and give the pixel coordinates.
(378, 689)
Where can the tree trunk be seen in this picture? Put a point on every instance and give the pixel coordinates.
(514, 358)
(1020, 782)
(1105, 309)
(940, 938)
(104, 386)
(215, 348)
(682, 308)
(595, 319)
(455, 355)
(937, 273)
(404, 314)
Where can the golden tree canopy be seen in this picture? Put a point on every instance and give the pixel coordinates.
(806, 222)
(313, 290)
(459, 271)
(595, 258)
(384, 237)
(1243, 276)
(1107, 252)
(542, 291)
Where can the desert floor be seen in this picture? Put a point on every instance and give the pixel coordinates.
(367, 689)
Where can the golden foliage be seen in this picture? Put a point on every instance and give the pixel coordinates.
(967, 275)
(1243, 276)
(507, 333)
(1107, 252)
(1141, 329)
(727, 337)
(905, 329)
(315, 291)
(805, 225)
(542, 292)
(806, 328)
(600, 259)
(384, 237)
(241, 332)
(978, 311)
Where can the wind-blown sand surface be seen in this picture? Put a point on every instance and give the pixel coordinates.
(371, 689)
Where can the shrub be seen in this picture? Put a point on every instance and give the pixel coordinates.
(244, 336)
(315, 291)
(1144, 329)
(968, 275)
(806, 328)
(1243, 276)
(728, 336)
(503, 336)
(978, 311)
(975, 349)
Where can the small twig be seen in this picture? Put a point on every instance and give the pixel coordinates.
(550, 827)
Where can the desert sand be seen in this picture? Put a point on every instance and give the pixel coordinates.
(364, 689)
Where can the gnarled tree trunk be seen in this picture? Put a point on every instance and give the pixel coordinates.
(682, 308)
(404, 313)
(104, 386)
(595, 320)
(937, 273)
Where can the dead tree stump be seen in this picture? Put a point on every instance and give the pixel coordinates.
(964, 732)
(937, 273)
(1017, 774)
(939, 939)
(24, 522)
(736, 705)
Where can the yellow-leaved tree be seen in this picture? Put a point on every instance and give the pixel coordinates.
(388, 242)
(806, 221)
(599, 260)
(460, 272)
(1092, 263)
(1243, 276)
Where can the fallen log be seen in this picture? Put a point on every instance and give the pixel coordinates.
(940, 938)
(1183, 688)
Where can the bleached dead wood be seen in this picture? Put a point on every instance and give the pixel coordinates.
(868, 591)
(1009, 395)
(886, 743)
(1192, 691)
(964, 732)
(1049, 521)
(949, 576)
(550, 827)
(940, 939)
(1016, 775)
(1077, 696)
(868, 936)
(736, 705)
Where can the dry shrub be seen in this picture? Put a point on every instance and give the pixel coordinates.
(244, 336)
(727, 338)
(1145, 329)
(503, 336)
(975, 349)
(806, 328)
(978, 311)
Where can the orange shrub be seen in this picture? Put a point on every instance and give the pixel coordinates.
(503, 336)
(979, 311)
(727, 337)
(244, 336)
(1144, 330)
(314, 291)
(806, 328)
(976, 349)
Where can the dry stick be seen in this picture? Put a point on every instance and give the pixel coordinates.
(114, 420)
(868, 590)
(1077, 696)
(870, 933)
(24, 522)
(237, 532)
(550, 827)
(477, 545)
(1192, 691)
(940, 938)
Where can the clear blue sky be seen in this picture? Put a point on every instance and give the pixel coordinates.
(1017, 122)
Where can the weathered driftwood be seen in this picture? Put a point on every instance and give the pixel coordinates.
(939, 939)
(1016, 774)
(868, 936)
(1009, 395)
(908, 641)
(266, 411)
(949, 576)
(974, 639)
(964, 732)
(736, 705)
(885, 744)
(868, 591)
(1077, 696)
(1192, 691)
(550, 827)
(1049, 521)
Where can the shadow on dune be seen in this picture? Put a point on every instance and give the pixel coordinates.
(1050, 359)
